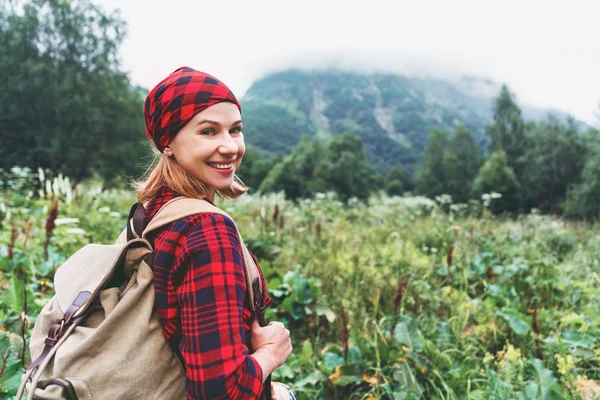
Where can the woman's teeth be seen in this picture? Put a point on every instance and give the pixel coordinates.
(221, 166)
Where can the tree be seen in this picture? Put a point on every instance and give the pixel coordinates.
(71, 109)
(462, 162)
(398, 180)
(349, 172)
(256, 166)
(430, 178)
(318, 166)
(507, 132)
(554, 162)
(497, 176)
(583, 200)
(298, 174)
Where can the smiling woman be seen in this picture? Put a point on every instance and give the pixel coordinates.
(199, 278)
(210, 146)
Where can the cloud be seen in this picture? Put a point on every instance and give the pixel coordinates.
(546, 51)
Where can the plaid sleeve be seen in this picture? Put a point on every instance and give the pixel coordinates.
(211, 302)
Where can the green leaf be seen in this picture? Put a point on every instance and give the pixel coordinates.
(307, 352)
(519, 323)
(407, 333)
(354, 355)
(15, 295)
(544, 386)
(445, 336)
(13, 370)
(497, 389)
(405, 377)
(284, 372)
(312, 379)
(330, 361)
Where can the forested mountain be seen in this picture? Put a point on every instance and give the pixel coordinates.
(393, 114)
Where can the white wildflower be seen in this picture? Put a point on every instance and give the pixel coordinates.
(75, 231)
(64, 221)
(41, 175)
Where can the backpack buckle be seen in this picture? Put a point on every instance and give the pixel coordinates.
(60, 329)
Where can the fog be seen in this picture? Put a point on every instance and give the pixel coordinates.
(546, 51)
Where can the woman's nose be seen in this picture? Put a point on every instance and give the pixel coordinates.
(228, 145)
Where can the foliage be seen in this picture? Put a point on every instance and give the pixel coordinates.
(272, 127)
(318, 166)
(462, 162)
(554, 162)
(507, 132)
(256, 166)
(449, 165)
(582, 200)
(496, 175)
(430, 178)
(402, 176)
(400, 298)
(69, 108)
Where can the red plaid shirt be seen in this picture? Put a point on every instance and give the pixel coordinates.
(200, 299)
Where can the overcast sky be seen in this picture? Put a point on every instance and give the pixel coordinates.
(548, 52)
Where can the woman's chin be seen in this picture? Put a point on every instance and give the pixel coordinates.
(222, 185)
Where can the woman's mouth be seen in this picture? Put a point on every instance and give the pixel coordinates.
(222, 167)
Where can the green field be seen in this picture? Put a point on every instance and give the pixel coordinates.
(400, 298)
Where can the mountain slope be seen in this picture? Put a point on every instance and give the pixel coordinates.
(393, 114)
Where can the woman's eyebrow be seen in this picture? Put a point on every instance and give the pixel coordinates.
(208, 121)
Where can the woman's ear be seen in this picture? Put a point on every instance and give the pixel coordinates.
(168, 152)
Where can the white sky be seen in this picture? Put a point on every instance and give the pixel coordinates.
(548, 52)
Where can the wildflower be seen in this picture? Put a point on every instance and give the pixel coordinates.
(64, 221)
(50, 224)
(75, 231)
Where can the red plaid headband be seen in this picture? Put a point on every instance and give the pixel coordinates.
(177, 98)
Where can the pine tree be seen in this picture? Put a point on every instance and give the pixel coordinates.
(462, 162)
(507, 132)
(431, 177)
(497, 176)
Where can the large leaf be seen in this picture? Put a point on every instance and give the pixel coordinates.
(307, 352)
(10, 365)
(14, 297)
(497, 389)
(544, 385)
(330, 362)
(445, 336)
(345, 375)
(407, 333)
(518, 322)
(312, 379)
(406, 378)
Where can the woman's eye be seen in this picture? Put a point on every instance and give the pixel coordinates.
(237, 129)
(207, 132)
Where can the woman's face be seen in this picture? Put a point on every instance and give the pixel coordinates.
(211, 145)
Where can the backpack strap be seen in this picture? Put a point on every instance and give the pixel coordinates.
(181, 207)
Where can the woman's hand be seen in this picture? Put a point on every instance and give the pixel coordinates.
(279, 391)
(272, 346)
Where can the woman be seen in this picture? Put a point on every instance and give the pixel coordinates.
(195, 122)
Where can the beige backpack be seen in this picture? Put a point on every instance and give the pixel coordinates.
(99, 336)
